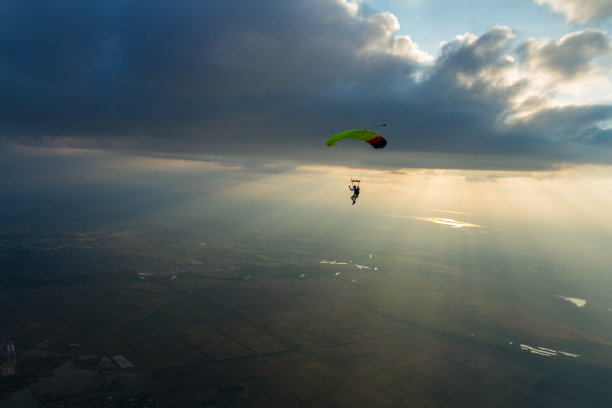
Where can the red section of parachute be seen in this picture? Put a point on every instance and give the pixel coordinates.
(378, 142)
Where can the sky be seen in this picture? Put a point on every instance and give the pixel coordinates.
(505, 85)
(116, 109)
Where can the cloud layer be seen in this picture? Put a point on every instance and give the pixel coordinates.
(580, 11)
(274, 80)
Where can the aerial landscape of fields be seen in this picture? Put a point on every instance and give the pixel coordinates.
(181, 317)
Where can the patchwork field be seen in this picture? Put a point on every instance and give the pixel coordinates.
(225, 332)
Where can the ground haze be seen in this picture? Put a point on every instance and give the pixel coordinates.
(275, 291)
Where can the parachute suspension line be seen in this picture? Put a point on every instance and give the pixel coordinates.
(357, 151)
(377, 126)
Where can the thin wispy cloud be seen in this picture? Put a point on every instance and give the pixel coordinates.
(453, 212)
(447, 222)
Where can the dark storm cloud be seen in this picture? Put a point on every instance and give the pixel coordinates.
(273, 79)
(177, 71)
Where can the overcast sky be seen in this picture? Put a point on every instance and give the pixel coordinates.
(500, 84)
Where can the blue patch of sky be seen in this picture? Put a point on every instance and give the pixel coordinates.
(429, 22)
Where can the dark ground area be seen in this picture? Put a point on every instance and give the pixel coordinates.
(122, 319)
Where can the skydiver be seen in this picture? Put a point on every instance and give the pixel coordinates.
(355, 190)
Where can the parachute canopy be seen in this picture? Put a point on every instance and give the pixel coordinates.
(369, 136)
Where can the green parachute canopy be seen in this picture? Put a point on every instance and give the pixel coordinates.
(369, 136)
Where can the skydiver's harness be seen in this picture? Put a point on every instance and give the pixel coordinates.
(355, 188)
